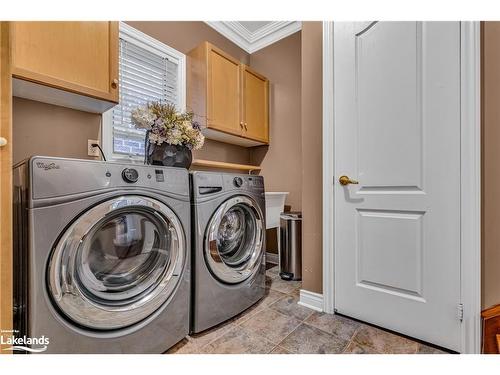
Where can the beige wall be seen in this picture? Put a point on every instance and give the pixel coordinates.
(312, 173)
(45, 129)
(491, 164)
(185, 35)
(281, 161)
(56, 131)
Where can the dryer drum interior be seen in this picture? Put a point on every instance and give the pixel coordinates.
(234, 240)
(117, 263)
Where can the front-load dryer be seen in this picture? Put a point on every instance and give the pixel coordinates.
(102, 256)
(228, 246)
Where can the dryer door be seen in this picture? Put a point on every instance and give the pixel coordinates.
(117, 263)
(234, 240)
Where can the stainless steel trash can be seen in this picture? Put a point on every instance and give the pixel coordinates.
(290, 246)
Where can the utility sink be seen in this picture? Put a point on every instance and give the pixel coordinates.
(275, 204)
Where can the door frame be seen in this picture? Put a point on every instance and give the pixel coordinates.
(470, 180)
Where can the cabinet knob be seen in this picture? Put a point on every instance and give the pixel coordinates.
(241, 124)
(246, 126)
(114, 83)
(3, 141)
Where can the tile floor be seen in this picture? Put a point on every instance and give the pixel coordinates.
(278, 325)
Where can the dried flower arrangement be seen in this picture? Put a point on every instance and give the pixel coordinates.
(165, 124)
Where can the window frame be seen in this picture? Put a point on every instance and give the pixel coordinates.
(153, 45)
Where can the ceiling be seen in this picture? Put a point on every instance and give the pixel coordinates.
(254, 35)
(253, 26)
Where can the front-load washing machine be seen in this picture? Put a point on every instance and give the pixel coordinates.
(102, 256)
(228, 246)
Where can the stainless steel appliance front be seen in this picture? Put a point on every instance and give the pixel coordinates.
(229, 246)
(102, 263)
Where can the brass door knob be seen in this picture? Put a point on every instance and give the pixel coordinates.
(344, 180)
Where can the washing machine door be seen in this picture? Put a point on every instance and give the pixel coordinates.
(117, 263)
(234, 240)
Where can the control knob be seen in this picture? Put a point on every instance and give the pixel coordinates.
(130, 175)
(238, 181)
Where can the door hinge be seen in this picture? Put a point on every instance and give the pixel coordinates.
(460, 312)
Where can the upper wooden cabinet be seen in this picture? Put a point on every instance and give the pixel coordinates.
(77, 57)
(255, 105)
(227, 97)
(224, 87)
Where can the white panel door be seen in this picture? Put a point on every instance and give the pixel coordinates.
(397, 132)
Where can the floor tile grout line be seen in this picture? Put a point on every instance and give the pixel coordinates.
(217, 337)
(250, 316)
(374, 348)
(392, 334)
(278, 346)
(284, 347)
(288, 295)
(244, 329)
(321, 329)
(259, 337)
(273, 349)
(279, 299)
(286, 316)
(351, 340)
(274, 303)
(367, 344)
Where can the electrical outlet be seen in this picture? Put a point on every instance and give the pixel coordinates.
(92, 151)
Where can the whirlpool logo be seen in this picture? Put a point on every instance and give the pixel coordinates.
(47, 166)
(24, 343)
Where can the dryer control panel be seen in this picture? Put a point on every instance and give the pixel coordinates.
(57, 177)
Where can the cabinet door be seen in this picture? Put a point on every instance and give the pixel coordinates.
(80, 57)
(255, 105)
(223, 96)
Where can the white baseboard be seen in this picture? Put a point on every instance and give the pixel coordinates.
(311, 300)
(272, 258)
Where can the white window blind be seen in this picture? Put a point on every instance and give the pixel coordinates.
(148, 71)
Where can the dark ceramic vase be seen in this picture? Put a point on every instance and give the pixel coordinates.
(169, 155)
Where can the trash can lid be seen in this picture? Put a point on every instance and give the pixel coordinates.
(292, 215)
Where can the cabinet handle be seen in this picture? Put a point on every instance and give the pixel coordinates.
(3, 141)
(241, 124)
(246, 126)
(114, 83)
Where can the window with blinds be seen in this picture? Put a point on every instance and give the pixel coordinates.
(148, 71)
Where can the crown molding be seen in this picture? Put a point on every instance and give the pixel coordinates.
(263, 37)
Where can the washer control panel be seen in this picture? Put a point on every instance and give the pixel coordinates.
(130, 175)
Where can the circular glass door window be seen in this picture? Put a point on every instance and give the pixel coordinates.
(234, 241)
(117, 263)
